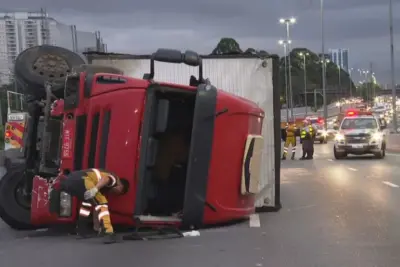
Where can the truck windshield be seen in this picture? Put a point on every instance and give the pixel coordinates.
(359, 123)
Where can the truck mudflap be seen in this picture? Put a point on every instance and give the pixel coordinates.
(43, 206)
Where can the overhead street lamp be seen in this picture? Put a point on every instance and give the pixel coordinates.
(285, 44)
(350, 82)
(287, 22)
(323, 65)
(340, 80)
(304, 56)
(394, 95)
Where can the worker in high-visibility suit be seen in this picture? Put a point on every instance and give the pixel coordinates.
(290, 140)
(89, 186)
(307, 136)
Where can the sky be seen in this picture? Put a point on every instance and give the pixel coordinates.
(134, 26)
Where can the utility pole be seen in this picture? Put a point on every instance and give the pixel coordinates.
(371, 86)
(394, 106)
(350, 82)
(323, 66)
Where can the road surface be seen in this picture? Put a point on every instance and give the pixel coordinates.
(335, 214)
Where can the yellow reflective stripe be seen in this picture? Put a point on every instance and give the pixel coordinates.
(98, 174)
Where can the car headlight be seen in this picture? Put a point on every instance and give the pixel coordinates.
(65, 205)
(377, 137)
(324, 133)
(339, 137)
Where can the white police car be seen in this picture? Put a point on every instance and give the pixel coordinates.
(360, 133)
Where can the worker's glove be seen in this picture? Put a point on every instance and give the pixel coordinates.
(89, 194)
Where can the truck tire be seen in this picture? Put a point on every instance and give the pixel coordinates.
(36, 65)
(338, 155)
(13, 210)
(382, 153)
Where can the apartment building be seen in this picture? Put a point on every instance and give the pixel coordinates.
(22, 30)
(340, 57)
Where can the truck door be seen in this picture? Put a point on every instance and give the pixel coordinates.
(200, 155)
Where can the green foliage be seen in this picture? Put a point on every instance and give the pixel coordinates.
(368, 90)
(227, 46)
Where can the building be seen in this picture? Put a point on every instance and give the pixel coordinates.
(340, 57)
(22, 30)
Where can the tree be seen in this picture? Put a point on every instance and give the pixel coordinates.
(227, 46)
(368, 90)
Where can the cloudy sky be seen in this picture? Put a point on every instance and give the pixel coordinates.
(136, 26)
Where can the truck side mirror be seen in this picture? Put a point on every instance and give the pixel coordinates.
(162, 115)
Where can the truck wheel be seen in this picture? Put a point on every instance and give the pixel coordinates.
(14, 204)
(381, 154)
(36, 65)
(338, 155)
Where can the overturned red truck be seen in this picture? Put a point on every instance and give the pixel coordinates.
(219, 152)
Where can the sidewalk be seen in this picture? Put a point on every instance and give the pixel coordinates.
(393, 144)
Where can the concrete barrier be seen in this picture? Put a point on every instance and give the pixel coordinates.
(393, 144)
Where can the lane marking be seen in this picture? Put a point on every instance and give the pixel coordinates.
(254, 220)
(393, 154)
(390, 184)
(352, 169)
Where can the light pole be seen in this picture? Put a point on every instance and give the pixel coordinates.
(350, 82)
(323, 65)
(288, 22)
(394, 106)
(285, 43)
(340, 81)
(324, 61)
(304, 55)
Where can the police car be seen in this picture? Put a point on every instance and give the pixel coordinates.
(360, 133)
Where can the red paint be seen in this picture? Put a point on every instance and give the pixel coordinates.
(17, 126)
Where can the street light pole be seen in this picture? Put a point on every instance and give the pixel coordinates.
(340, 82)
(284, 44)
(394, 106)
(288, 22)
(304, 55)
(323, 65)
(350, 82)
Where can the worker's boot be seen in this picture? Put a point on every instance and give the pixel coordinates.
(84, 230)
(293, 154)
(283, 157)
(109, 238)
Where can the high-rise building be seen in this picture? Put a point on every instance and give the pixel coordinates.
(22, 30)
(340, 57)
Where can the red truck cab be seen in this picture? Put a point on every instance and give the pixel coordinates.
(201, 143)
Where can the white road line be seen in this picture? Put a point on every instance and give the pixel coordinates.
(390, 184)
(254, 220)
(330, 159)
(352, 169)
(393, 154)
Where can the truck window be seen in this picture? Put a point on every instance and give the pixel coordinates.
(359, 123)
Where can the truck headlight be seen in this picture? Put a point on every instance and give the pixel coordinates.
(377, 137)
(65, 205)
(339, 137)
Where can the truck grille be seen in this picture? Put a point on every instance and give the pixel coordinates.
(357, 139)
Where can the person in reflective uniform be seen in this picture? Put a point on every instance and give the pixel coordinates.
(89, 186)
(307, 136)
(290, 140)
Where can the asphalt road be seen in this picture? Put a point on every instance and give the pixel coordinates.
(335, 213)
